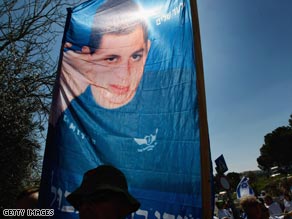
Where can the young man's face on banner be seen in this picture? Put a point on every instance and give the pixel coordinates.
(118, 67)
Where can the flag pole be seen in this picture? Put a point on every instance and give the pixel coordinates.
(206, 171)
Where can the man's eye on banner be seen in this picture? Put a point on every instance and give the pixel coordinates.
(126, 95)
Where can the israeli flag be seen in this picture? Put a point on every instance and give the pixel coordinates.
(243, 188)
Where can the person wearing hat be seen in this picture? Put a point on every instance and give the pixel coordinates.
(103, 194)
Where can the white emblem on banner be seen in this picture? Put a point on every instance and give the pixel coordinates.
(147, 143)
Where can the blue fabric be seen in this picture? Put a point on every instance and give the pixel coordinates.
(154, 139)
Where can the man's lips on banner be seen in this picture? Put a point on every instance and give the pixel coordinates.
(118, 89)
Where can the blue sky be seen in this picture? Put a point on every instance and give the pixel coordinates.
(247, 55)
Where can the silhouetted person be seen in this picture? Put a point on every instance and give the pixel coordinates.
(27, 199)
(103, 194)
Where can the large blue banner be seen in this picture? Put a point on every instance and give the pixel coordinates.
(126, 95)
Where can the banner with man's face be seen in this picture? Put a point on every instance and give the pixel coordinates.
(126, 95)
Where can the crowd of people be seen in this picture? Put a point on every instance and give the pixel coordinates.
(103, 193)
(253, 207)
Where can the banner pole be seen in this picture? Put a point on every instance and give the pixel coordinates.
(206, 171)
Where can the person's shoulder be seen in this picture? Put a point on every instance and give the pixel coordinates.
(222, 213)
(276, 203)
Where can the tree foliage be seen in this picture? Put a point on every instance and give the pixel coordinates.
(277, 148)
(233, 178)
(28, 33)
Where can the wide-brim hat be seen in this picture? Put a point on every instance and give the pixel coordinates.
(102, 184)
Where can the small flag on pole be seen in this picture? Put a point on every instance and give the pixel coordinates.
(243, 188)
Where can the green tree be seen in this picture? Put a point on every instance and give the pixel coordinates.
(28, 33)
(276, 150)
(233, 178)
